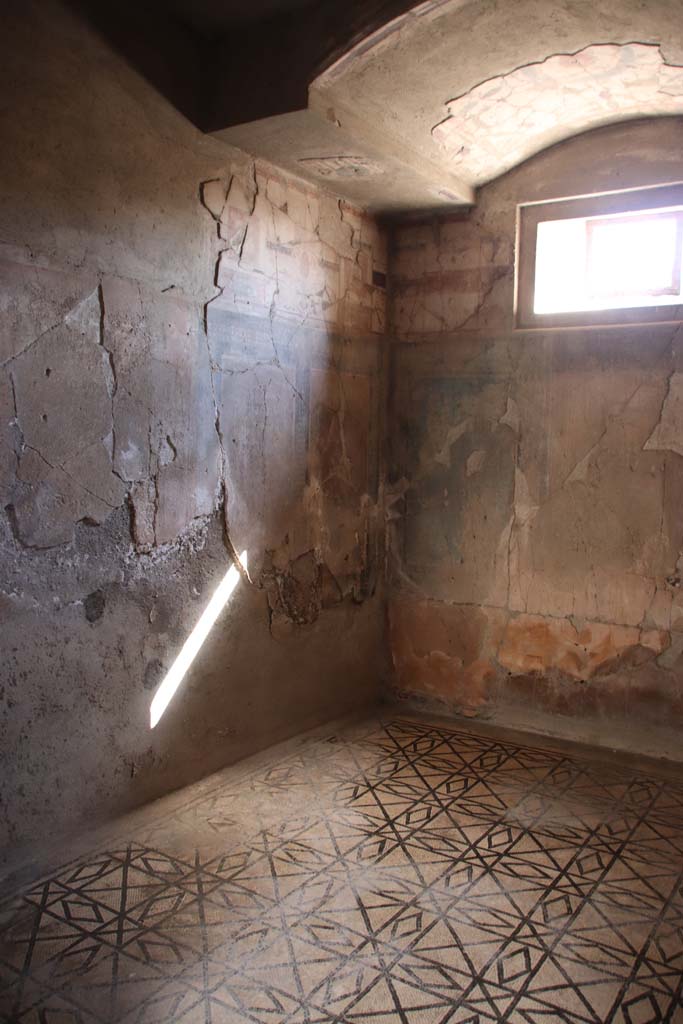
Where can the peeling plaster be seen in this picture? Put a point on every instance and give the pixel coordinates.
(277, 233)
(504, 120)
(534, 534)
(187, 364)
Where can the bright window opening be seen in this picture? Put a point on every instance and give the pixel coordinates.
(609, 262)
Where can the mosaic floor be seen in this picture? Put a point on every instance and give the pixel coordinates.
(394, 871)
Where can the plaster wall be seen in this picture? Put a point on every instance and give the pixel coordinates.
(536, 478)
(190, 361)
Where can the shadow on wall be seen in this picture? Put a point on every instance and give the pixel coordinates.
(262, 409)
(296, 402)
(189, 356)
(292, 338)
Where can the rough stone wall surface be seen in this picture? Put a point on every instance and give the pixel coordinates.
(189, 366)
(536, 478)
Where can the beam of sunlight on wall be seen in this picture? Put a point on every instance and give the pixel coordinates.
(192, 645)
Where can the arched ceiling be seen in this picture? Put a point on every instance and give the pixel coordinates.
(402, 106)
(506, 119)
(474, 88)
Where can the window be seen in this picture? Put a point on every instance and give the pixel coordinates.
(608, 259)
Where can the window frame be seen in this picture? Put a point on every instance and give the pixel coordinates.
(626, 202)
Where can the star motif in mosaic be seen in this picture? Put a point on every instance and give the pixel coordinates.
(398, 871)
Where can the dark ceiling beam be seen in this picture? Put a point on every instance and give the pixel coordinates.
(264, 69)
(166, 53)
(249, 71)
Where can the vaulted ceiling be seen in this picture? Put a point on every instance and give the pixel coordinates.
(402, 106)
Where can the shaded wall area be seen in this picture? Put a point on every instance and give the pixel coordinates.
(190, 355)
(536, 478)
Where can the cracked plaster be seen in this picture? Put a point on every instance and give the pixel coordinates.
(535, 540)
(189, 354)
(213, 332)
(506, 119)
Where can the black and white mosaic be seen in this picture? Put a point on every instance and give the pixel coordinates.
(401, 871)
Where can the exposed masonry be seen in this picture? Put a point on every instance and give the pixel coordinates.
(503, 120)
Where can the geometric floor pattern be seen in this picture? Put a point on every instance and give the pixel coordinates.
(395, 871)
